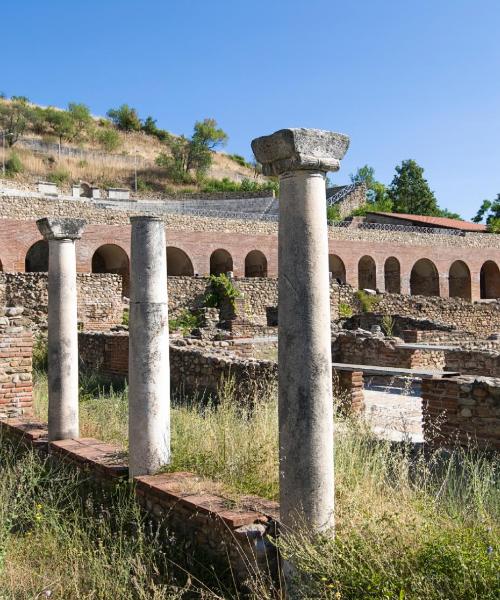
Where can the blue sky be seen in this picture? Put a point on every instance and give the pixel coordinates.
(403, 79)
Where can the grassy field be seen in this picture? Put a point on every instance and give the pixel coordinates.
(407, 526)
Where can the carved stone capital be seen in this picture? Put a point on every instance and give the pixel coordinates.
(54, 228)
(300, 149)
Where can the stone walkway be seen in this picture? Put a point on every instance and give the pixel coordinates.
(395, 410)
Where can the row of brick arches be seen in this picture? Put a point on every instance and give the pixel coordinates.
(424, 277)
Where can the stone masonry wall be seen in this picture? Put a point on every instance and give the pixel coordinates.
(366, 349)
(192, 368)
(16, 346)
(99, 298)
(461, 410)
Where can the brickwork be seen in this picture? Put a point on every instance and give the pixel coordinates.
(461, 410)
(198, 237)
(16, 346)
(348, 388)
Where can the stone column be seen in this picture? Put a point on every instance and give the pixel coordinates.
(149, 370)
(301, 157)
(62, 326)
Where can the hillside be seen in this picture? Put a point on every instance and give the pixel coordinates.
(103, 155)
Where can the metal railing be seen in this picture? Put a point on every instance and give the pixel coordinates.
(341, 194)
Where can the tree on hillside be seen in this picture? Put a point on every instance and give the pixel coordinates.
(409, 191)
(81, 118)
(195, 154)
(125, 118)
(60, 123)
(15, 117)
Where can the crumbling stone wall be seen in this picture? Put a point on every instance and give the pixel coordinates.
(468, 361)
(16, 347)
(367, 349)
(461, 410)
(99, 298)
(192, 368)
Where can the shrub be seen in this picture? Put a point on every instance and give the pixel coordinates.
(368, 302)
(143, 185)
(245, 185)
(333, 213)
(13, 165)
(388, 325)
(125, 316)
(109, 139)
(345, 310)
(59, 176)
(239, 159)
(221, 289)
(186, 322)
(125, 118)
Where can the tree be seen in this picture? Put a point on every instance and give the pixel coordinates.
(125, 118)
(60, 123)
(15, 117)
(489, 211)
(376, 192)
(81, 118)
(195, 154)
(409, 191)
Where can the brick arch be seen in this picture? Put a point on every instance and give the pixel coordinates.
(336, 267)
(112, 258)
(392, 275)
(490, 280)
(178, 262)
(459, 281)
(221, 261)
(37, 257)
(367, 273)
(255, 264)
(424, 278)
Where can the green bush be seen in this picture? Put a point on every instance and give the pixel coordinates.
(13, 165)
(345, 310)
(125, 316)
(239, 159)
(185, 322)
(388, 325)
(59, 176)
(143, 185)
(333, 213)
(125, 118)
(368, 302)
(109, 139)
(245, 185)
(221, 289)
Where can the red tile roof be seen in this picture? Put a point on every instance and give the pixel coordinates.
(436, 221)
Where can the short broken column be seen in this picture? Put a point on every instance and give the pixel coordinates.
(149, 370)
(62, 326)
(301, 158)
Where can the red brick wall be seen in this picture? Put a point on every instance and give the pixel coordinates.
(199, 245)
(16, 388)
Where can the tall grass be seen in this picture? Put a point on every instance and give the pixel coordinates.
(54, 545)
(409, 525)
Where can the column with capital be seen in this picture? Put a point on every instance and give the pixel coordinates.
(301, 158)
(61, 235)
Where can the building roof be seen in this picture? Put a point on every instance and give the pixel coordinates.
(426, 221)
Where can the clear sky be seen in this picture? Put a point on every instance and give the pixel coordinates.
(403, 79)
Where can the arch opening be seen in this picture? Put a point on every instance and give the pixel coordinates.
(220, 262)
(178, 262)
(490, 280)
(392, 275)
(367, 273)
(255, 264)
(459, 281)
(37, 258)
(424, 278)
(111, 258)
(337, 268)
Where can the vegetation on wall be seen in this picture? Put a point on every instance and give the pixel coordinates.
(221, 289)
(368, 301)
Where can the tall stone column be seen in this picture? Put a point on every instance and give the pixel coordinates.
(149, 370)
(301, 158)
(62, 326)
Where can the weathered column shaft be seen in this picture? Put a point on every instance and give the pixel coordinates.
(302, 157)
(149, 370)
(62, 327)
(304, 352)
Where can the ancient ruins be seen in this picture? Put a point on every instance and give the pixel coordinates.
(399, 323)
